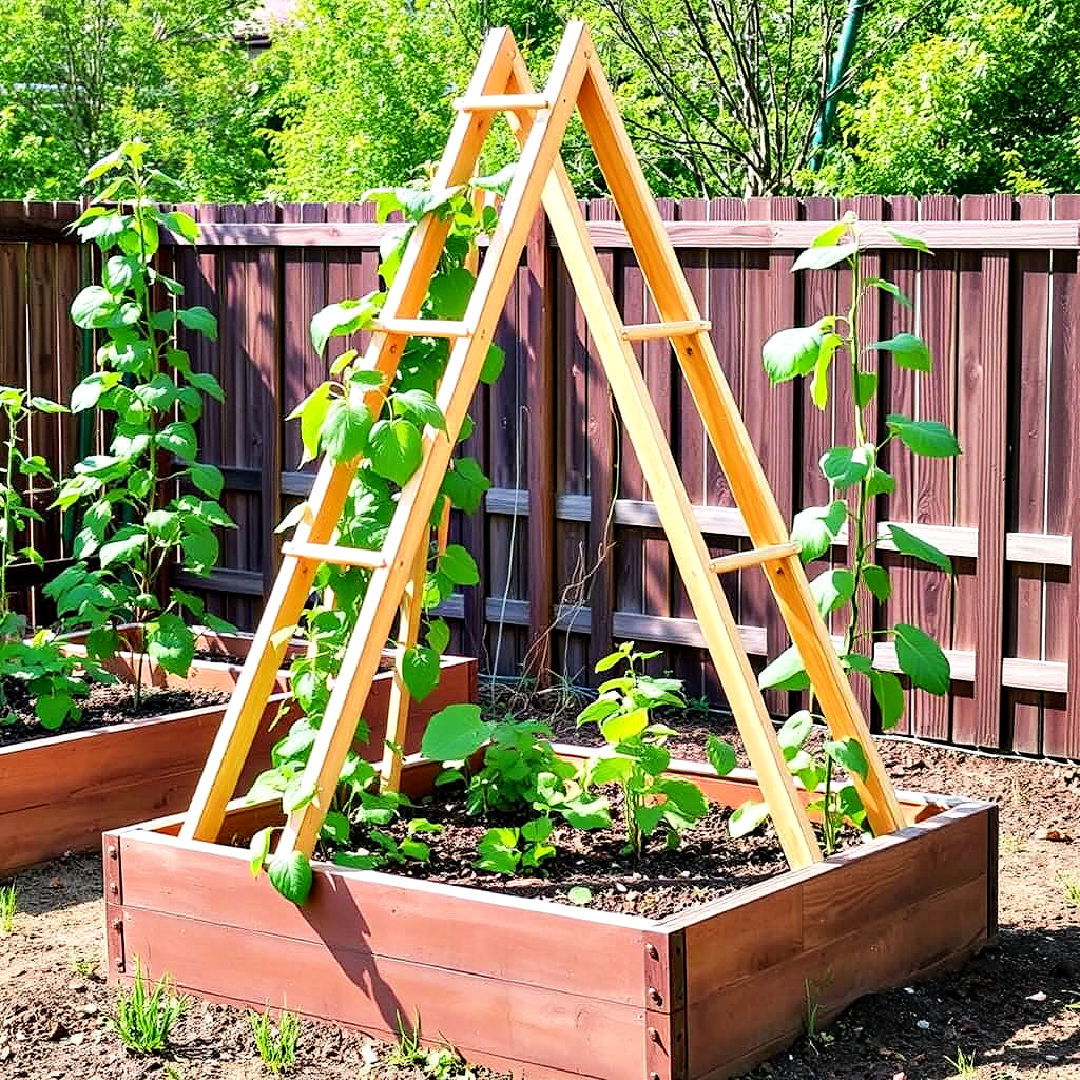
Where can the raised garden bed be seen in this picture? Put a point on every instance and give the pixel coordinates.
(547, 989)
(58, 793)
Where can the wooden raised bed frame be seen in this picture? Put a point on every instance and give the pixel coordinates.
(58, 793)
(549, 990)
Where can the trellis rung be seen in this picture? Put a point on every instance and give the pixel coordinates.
(332, 553)
(424, 328)
(754, 557)
(654, 331)
(502, 103)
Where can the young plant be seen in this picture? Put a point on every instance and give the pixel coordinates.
(833, 355)
(147, 502)
(275, 1042)
(145, 1013)
(508, 850)
(638, 758)
(48, 678)
(356, 416)
(438, 1062)
(9, 906)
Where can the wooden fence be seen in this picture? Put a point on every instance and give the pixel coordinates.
(567, 541)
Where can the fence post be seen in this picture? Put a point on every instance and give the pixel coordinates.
(540, 450)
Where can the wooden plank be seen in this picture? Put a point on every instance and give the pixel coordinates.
(1028, 439)
(1061, 716)
(981, 473)
(767, 234)
(535, 331)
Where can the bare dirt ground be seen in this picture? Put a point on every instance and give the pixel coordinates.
(1013, 1013)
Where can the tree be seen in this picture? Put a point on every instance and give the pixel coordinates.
(79, 76)
(990, 103)
(723, 96)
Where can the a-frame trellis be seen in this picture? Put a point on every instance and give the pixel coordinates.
(501, 84)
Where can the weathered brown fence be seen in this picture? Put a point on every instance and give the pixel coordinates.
(567, 541)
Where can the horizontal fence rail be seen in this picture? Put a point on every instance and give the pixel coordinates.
(568, 542)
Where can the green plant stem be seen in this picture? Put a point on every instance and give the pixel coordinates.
(8, 524)
(858, 541)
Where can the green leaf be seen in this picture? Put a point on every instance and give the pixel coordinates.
(794, 732)
(792, 352)
(494, 361)
(179, 439)
(721, 755)
(877, 581)
(420, 670)
(207, 383)
(786, 672)
(498, 182)
(344, 318)
(822, 257)
(176, 221)
(746, 818)
(888, 691)
(579, 895)
(623, 726)
(866, 383)
(419, 406)
(207, 478)
(819, 385)
(259, 850)
(127, 544)
(928, 438)
(908, 350)
(913, 242)
(346, 429)
(94, 307)
(887, 286)
(395, 449)
(459, 566)
(832, 590)
(879, 482)
(438, 635)
(44, 405)
(921, 659)
(171, 643)
(312, 415)
(53, 709)
(449, 292)
(292, 877)
(455, 733)
(464, 484)
(844, 466)
(849, 754)
(199, 319)
(910, 544)
(815, 528)
(335, 827)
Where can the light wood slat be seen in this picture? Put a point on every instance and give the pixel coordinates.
(502, 103)
(363, 652)
(293, 585)
(732, 445)
(423, 328)
(332, 553)
(754, 557)
(656, 331)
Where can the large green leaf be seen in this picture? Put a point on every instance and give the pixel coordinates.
(849, 754)
(464, 484)
(171, 643)
(821, 258)
(420, 670)
(419, 406)
(748, 817)
(889, 693)
(292, 877)
(792, 352)
(454, 733)
(928, 438)
(908, 351)
(786, 672)
(395, 449)
(844, 466)
(832, 590)
(346, 425)
(909, 544)
(815, 528)
(721, 755)
(494, 361)
(794, 732)
(625, 725)
(921, 659)
(344, 318)
(200, 320)
(876, 579)
(459, 566)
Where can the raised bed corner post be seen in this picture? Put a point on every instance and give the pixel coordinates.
(501, 84)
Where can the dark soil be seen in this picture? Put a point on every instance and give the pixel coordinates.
(220, 657)
(708, 865)
(106, 706)
(1012, 1010)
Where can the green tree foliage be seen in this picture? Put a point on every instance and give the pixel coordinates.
(79, 76)
(990, 103)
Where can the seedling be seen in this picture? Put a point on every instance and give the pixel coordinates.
(9, 905)
(276, 1042)
(438, 1062)
(1071, 888)
(638, 760)
(145, 1013)
(87, 967)
(962, 1063)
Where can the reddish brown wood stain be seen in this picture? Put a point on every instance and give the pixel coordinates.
(552, 991)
